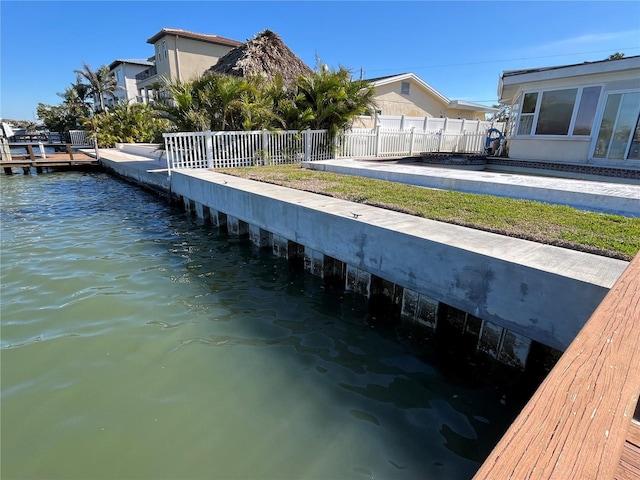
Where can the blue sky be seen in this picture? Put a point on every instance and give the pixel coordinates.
(459, 48)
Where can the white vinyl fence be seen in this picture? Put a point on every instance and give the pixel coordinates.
(384, 143)
(401, 136)
(434, 124)
(243, 149)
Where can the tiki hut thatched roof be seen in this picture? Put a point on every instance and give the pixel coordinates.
(265, 55)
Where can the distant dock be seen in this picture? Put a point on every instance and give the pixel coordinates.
(37, 157)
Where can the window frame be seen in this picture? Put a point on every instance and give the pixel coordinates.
(403, 90)
(574, 114)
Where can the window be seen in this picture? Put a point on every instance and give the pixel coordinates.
(619, 132)
(164, 48)
(158, 51)
(586, 111)
(568, 111)
(404, 88)
(556, 110)
(527, 113)
(119, 76)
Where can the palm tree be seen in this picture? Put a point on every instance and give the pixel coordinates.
(75, 98)
(333, 98)
(223, 97)
(180, 107)
(99, 82)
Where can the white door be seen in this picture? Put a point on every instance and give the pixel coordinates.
(619, 132)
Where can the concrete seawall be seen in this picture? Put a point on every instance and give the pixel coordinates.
(538, 291)
(499, 293)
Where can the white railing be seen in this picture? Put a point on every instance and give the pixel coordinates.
(243, 149)
(79, 137)
(396, 143)
(427, 124)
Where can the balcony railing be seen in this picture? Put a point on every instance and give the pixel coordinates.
(149, 72)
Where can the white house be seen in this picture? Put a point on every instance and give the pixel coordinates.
(586, 113)
(125, 72)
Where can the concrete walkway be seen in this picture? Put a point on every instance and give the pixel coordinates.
(607, 197)
(151, 172)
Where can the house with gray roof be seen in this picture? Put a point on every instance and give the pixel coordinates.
(581, 114)
(125, 71)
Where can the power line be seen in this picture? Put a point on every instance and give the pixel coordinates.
(497, 61)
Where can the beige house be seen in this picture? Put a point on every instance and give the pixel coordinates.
(407, 94)
(181, 55)
(587, 113)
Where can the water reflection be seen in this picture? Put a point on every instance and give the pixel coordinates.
(138, 342)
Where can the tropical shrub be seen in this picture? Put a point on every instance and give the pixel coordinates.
(128, 123)
(333, 99)
(325, 99)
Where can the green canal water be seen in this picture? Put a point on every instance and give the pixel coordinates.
(139, 343)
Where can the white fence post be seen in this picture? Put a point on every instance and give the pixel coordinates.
(377, 150)
(307, 145)
(265, 147)
(411, 141)
(169, 152)
(208, 139)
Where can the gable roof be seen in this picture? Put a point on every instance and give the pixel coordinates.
(458, 104)
(194, 36)
(266, 55)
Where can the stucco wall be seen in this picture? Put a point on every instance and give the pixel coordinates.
(466, 114)
(568, 149)
(565, 150)
(194, 56)
(416, 104)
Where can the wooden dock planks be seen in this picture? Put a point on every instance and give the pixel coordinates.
(52, 160)
(629, 468)
(577, 424)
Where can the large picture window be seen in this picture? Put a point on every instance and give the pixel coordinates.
(569, 111)
(556, 110)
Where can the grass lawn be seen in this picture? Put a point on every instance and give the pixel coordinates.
(602, 234)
